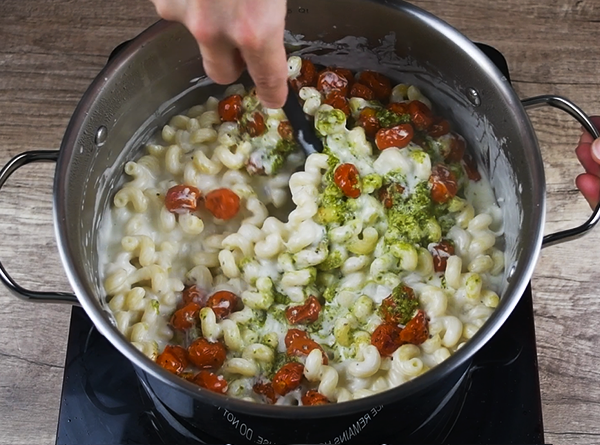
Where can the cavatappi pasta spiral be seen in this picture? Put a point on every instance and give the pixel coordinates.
(384, 267)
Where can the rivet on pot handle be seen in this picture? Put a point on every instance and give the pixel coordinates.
(565, 105)
(26, 294)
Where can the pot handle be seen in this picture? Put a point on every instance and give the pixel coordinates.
(569, 107)
(26, 294)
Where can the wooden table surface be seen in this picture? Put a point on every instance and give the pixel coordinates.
(51, 50)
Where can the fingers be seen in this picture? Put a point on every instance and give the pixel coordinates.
(595, 150)
(234, 33)
(222, 62)
(589, 185)
(171, 9)
(261, 44)
(586, 158)
(588, 154)
(586, 138)
(588, 150)
(268, 68)
(221, 59)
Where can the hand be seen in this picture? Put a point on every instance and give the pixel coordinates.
(588, 153)
(234, 34)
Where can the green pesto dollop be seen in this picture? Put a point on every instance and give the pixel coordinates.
(402, 306)
(277, 311)
(408, 217)
(280, 153)
(269, 160)
(333, 204)
(431, 146)
(419, 156)
(332, 163)
(333, 261)
(330, 121)
(388, 119)
(446, 222)
(280, 298)
(260, 317)
(280, 359)
(371, 182)
(329, 293)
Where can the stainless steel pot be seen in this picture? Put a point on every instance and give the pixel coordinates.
(159, 73)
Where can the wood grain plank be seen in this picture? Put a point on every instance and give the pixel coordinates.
(50, 53)
(52, 50)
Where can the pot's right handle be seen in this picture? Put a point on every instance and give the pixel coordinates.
(566, 105)
(26, 294)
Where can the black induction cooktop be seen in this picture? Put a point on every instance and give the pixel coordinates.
(103, 401)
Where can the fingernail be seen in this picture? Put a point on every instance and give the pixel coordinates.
(596, 148)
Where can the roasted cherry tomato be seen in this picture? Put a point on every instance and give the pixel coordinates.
(416, 330)
(307, 76)
(304, 346)
(207, 355)
(344, 72)
(471, 168)
(455, 150)
(173, 359)
(329, 81)
(420, 115)
(210, 381)
(398, 107)
(443, 184)
(288, 378)
(285, 130)
(393, 311)
(194, 294)
(378, 83)
(265, 389)
(182, 198)
(439, 127)
(222, 203)
(363, 91)
(230, 108)
(367, 119)
(185, 317)
(398, 136)
(440, 252)
(347, 179)
(298, 342)
(337, 100)
(386, 194)
(223, 303)
(254, 124)
(313, 398)
(386, 338)
(293, 334)
(304, 313)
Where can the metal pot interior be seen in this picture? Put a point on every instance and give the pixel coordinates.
(160, 73)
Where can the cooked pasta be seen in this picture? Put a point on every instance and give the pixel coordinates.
(383, 268)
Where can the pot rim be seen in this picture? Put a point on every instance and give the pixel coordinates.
(461, 357)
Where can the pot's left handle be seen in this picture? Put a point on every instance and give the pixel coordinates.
(26, 294)
(569, 107)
